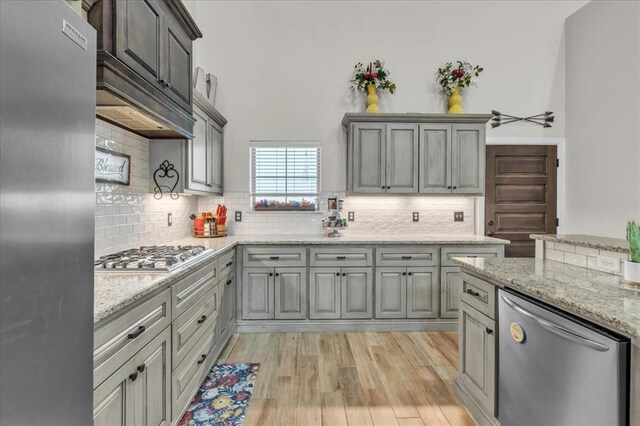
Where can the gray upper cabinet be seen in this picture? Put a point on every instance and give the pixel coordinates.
(144, 65)
(416, 153)
(369, 158)
(197, 161)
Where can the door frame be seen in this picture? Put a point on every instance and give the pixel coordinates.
(561, 197)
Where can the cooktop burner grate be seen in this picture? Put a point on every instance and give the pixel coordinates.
(150, 258)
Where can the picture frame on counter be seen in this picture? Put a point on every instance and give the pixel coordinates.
(112, 167)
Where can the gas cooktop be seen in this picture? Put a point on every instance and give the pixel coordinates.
(150, 258)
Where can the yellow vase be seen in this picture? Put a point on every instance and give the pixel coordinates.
(455, 102)
(372, 99)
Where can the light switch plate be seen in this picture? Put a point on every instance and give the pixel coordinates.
(169, 219)
(238, 216)
(458, 216)
(416, 216)
(351, 216)
(609, 264)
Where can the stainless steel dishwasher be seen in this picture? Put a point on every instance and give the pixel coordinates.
(556, 369)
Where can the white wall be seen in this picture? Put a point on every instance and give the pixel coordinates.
(283, 67)
(603, 118)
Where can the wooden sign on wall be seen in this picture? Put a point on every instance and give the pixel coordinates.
(112, 167)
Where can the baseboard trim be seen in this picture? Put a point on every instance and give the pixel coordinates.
(478, 414)
(290, 326)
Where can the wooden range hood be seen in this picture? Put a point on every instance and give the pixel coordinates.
(144, 66)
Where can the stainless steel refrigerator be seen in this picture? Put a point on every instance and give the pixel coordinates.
(47, 144)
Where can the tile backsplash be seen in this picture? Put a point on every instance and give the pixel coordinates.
(381, 215)
(129, 216)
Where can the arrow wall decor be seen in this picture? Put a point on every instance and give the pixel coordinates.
(542, 119)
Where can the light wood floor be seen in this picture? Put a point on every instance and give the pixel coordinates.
(351, 379)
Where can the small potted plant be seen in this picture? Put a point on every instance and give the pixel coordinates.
(453, 78)
(375, 76)
(632, 267)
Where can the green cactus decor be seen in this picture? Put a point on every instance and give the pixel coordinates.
(633, 236)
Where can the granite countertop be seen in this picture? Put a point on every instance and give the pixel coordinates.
(596, 296)
(603, 243)
(116, 290)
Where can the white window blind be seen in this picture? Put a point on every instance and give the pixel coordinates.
(286, 174)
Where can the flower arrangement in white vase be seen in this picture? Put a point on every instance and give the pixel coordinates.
(632, 267)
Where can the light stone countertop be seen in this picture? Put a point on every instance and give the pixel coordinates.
(596, 296)
(114, 291)
(603, 243)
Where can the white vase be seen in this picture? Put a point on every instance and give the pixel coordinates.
(632, 272)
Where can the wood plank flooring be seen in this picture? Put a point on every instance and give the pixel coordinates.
(377, 379)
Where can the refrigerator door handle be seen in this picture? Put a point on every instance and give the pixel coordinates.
(557, 329)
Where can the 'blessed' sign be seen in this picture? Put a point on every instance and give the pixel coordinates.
(112, 166)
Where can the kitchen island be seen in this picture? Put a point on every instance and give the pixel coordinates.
(598, 297)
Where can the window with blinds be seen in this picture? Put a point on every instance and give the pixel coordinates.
(285, 176)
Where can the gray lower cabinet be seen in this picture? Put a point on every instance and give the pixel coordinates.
(139, 392)
(450, 291)
(226, 318)
(477, 362)
(324, 293)
(341, 293)
(274, 293)
(406, 292)
(357, 293)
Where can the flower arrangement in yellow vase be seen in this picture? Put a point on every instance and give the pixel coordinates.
(454, 78)
(375, 76)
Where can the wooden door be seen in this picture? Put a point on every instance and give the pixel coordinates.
(402, 158)
(520, 195)
(477, 358)
(450, 291)
(176, 62)
(467, 155)
(324, 293)
(357, 293)
(138, 40)
(152, 387)
(369, 158)
(291, 293)
(257, 293)
(391, 292)
(435, 159)
(422, 292)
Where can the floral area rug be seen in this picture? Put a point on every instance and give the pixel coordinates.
(223, 398)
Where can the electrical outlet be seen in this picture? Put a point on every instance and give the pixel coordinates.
(609, 264)
(458, 216)
(351, 216)
(169, 219)
(416, 216)
(238, 215)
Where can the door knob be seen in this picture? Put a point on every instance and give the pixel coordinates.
(490, 222)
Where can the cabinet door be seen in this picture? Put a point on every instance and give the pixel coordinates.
(324, 293)
(198, 153)
(435, 159)
(257, 293)
(450, 291)
(422, 292)
(176, 62)
(291, 293)
(215, 157)
(138, 38)
(222, 325)
(230, 299)
(369, 158)
(477, 356)
(468, 155)
(402, 158)
(152, 387)
(391, 293)
(112, 400)
(357, 293)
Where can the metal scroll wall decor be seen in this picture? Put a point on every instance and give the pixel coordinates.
(169, 178)
(500, 119)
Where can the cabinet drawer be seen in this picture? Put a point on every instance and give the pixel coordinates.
(227, 263)
(188, 328)
(479, 294)
(341, 256)
(191, 288)
(187, 377)
(117, 341)
(469, 251)
(274, 256)
(407, 256)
